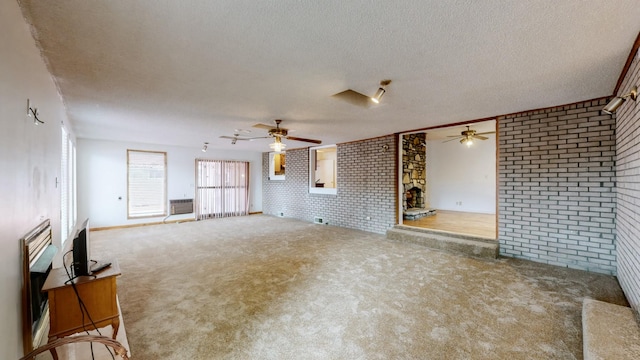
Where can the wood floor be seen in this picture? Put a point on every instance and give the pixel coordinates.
(475, 224)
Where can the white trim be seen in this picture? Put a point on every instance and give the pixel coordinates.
(312, 160)
(272, 170)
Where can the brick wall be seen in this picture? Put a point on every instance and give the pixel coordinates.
(366, 191)
(628, 194)
(556, 177)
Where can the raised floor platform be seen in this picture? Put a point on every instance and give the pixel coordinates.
(441, 240)
(417, 213)
(609, 331)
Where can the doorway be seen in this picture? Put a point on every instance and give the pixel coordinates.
(448, 179)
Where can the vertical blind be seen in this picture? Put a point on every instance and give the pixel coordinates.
(222, 188)
(147, 183)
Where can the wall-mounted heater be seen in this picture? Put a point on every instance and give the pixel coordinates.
(182, 206)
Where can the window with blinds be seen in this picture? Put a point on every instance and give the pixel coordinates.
(68, 202)
(222, 188)
(146, 183)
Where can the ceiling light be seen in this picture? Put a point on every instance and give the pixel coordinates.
(378, 95)
(204, 148)
(466, 141)
(376, 98)
(615, 103)
(277, 145)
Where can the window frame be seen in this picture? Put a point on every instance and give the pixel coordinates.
(312, 171)
(68, 185)
(272, 165)
(164, 201)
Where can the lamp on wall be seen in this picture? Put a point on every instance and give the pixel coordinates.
(615, 103)
(33, 112)
(277, 145)
(205, 146)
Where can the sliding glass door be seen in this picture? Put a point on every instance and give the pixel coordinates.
(222, 188)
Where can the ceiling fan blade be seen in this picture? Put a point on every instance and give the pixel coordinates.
(240, 138)
(303, 139)
(264, 126)
(455, 138)
(480, 137)
(486, 133)
(354, 98)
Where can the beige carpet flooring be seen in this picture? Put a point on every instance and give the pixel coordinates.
(260, 287)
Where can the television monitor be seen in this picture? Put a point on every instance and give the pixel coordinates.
(81, 251)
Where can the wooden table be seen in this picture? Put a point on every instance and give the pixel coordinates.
(98, 294)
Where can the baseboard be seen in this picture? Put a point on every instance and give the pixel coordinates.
(152, 223)
(142, 224)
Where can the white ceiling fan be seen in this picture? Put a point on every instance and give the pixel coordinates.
(236, 136)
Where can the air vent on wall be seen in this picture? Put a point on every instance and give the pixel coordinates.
(182, 206)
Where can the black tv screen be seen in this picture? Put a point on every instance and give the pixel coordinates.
(81, 251)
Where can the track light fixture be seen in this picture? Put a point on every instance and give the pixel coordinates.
(33, 112)
(277, 145)
(376, 98)
(204, 148)
(378, 95)
(615, 103)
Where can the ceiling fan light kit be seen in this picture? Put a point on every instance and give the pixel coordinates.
(615, 103)
(277, 145)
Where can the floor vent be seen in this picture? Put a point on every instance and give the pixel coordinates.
(183, 206)
(318, 220)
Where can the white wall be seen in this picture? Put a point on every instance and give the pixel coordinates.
(29, 162)
(102, 178)
(456, 174)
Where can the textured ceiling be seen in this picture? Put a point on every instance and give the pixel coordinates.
(186, 72)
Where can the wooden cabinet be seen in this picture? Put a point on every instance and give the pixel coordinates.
(97, 305)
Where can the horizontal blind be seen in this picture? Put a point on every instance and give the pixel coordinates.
(147, 183)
